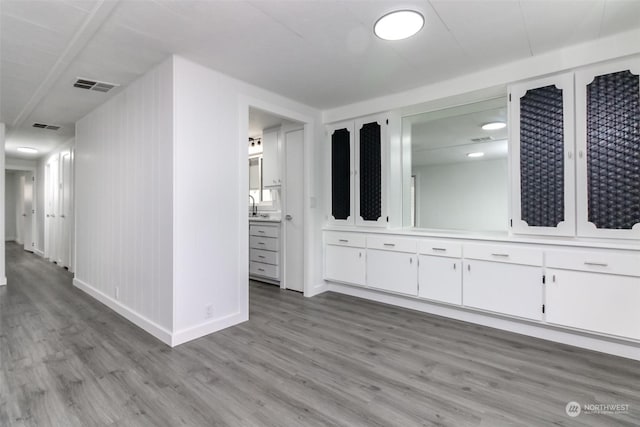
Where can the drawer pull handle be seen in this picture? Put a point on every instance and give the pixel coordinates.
(468, 267)
(261, 231)
(454, 266)
(261, 269)
(410, 260)
(501, 255)
(389, 244)
(343, 240)
(359, 254)
(261, 256)
(440, 249)
(596, 264)
(261, 243)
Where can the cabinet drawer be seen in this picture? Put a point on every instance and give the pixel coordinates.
(504, 253)
(264, 231)
(265, 270)
(391, 243)
(345, 239)
(440, 248)
(612, 262)
(266, 243)
(267, 257)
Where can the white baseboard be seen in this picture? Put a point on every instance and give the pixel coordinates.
(3, 281)
(317, 290)
(543, 331)
(151, 327)
(38, 252)
(10, 239)
(194, 332)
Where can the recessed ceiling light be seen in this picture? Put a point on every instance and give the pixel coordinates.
(398, 25)
(28, 150)
(494, 126)
(477, 154)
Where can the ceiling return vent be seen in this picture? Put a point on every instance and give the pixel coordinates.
(45, 126)
(482, 139)
(94, 85)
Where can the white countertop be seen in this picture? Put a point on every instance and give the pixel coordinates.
(265, 219)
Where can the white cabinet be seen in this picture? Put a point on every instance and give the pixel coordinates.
(392, 271)
(264, 251)
(542, 145)
(344, 258)
(440, 279)
(505, 279)
(597, 302)
(358, 171)
(271, 157)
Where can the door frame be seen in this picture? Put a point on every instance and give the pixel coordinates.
(34, 222)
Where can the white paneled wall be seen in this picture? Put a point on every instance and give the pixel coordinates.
(124, 181)
(3, 277)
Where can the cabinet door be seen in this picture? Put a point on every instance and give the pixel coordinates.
(342, 182)
(608, 145)
(511, 289)
(595, 302)
(541, 155)
(392, 271)
(370, 149)
(271, 158)
(440, 279)
(344, 264)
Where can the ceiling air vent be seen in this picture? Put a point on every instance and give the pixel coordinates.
(482, 139)
(45, 126)
(94, 85)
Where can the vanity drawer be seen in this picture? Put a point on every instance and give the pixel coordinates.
(266, 243)
(267, 257)
(611, 262)
(264, 231)
(504, 253)
(354, 240)
(265, 270)
(441, 248)
(391, 243)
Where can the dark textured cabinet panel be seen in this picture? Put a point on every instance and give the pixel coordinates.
(340, 174)
(542, 157)
(613, 150)
(370, 172)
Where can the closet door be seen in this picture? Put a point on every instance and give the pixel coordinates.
(341, 150)
(541, 156)
(608, 146)
(370, 149)
(66, 211)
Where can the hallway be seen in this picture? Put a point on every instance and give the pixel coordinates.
(66, 360)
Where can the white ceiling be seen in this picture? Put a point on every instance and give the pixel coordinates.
(321, 53)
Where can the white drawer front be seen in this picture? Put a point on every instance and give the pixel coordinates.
(611, 262)
(266, 243)
(354, 240)
(392, 243)
(264, 230)
(440, 248)
(504, 253)
(267, 257)
(265, 270)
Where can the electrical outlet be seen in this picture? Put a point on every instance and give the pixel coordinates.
(117, 292)
(208, 311)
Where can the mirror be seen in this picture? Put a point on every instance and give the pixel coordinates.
(459, 171)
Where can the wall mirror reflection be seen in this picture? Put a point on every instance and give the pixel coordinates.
(459, 168)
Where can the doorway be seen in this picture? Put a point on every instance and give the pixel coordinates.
(276, 199)
(20, 224)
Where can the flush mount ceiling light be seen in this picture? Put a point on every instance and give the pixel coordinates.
(27, 150)
(398, 25)
(477, 154)
(494, 126)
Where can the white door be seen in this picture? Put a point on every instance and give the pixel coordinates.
(392, 271)
(344, 264)
(440, 279)
(26, 182)
(20, 210)
(65, 219)
(294, 200)
(51, 203)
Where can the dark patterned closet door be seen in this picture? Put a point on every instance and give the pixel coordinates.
(370, 171)
(340, 174)
(613, 151)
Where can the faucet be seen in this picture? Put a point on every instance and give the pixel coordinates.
(254, 211)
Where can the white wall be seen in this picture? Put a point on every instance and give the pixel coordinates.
(210, 195)
(40, 206)
(3, 277)
(10, 205)
(470, 195)
(123, 195)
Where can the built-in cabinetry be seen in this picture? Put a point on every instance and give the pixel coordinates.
(264, 251)
(594, 290)
(604, 198)
(271, 157)
(357, 158)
